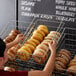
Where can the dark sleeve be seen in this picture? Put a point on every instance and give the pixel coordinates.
(16, 73)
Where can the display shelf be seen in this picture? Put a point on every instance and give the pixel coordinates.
(27, 28)
(68, 42)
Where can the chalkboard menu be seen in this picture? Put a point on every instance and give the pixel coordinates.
(65, 9)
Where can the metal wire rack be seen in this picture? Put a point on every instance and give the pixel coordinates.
(27, 28)
(68, 42)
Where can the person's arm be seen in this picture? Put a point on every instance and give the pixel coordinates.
(50, 64)
(48, 69)
(19, 38)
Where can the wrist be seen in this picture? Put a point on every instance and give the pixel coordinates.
(53, 52)
(14, 42)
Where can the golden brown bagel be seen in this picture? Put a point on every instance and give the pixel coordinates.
(37, 36)
(30, 46)
(27, 49)
(40, 32)
(35, 41)
(23, 54)
(31, 42)
(43, 28)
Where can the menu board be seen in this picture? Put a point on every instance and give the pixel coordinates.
(63, 9)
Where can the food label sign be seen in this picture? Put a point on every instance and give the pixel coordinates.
(65, 9)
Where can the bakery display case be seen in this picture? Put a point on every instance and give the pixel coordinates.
(65, 37)
(68, 43)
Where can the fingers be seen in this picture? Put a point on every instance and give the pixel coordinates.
(52, 42)
(21, 39)
(52, 45)
(20, 35)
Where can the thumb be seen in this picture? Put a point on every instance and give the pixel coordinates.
(51, 42)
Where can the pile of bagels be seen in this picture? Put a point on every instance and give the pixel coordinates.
(37, 45)
(13, 50)
(72, 67)
(62, 59)
(12, 35)
(41, 52)
(30, 45)
(64, 63)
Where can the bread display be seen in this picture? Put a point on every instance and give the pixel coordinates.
(41, 52)
(29, 46)
(62, 59)
(12, 35)
(72, 66)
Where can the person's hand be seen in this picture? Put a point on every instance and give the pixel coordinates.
(20, 37)
(52, 46)
(9, 69)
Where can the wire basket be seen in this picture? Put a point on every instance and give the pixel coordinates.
(52, 24)
(68, 42)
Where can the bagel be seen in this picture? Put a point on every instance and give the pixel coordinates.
(40, 32)
(35, 41)
(66, 51)
(42, 46)
(23, 54)
(30, 46)
(64, 57)
(55, 32)
(39, 56)
(58, 68)
(61, 60)
(31, 42)
(72, 70)
(27, 49)
(46, 42)
(61, 64)
(37, 36)
(43, 28)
